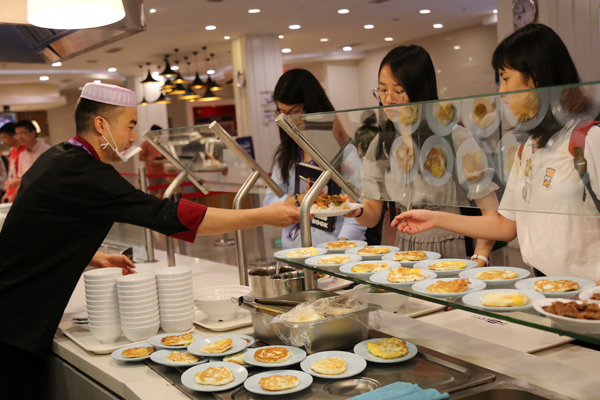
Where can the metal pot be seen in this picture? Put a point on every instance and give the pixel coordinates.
(270, 281)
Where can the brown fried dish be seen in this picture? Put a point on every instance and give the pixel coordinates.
(574, 310)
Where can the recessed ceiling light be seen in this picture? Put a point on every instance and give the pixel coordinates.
(294, 26)
(175, 67)
(438, 26)
(347, 48)
(456, 47)
(286, 50)
(112, 69)
(470, 58)
(210, 71)
(425, 11)
(280, 36)
(254, 11)
(389, 39)
(369, 26)
(324, 39)
(210, 27)
(495, 11)
(439, 71)
(152, 10)
(56, 64)
(226, 37)
(44, 78)
(343, 11)
(97, 81)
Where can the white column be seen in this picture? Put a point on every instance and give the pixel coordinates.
(259, 59)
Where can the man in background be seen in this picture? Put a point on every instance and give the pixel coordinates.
(150, 155)
(8, 137)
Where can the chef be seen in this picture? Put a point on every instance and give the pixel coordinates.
(67, 203)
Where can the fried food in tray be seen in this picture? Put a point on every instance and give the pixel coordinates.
(405, 158)
(473, 167)
(571, 309)
(178, 340)
(443, 112)
(214, 376)
(555, 285)
(237, 358)
(388, 348)
(310, 251)
(272, 355)
(138, 352)
(524, 106)
(341, 245)
(370, 250)
(496, 274)
(329, 366)
(505, 299)
(436, 162)
(180, 357)
(403, 275)
(408, 114)
(453, 286)
(371, 267)
(410, 256)
(448, 265)
(279, 382)
(220, 346)
(333, 260)
(483, 112)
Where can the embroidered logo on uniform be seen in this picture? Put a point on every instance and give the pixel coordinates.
(548, 177)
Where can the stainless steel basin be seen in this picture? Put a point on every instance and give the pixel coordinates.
(504, 394)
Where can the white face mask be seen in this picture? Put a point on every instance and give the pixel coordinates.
(123, 155)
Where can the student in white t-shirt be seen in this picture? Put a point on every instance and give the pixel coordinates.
(544, 184)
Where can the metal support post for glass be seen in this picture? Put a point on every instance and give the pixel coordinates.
(224, 241)
(147, 232)
(262, 260)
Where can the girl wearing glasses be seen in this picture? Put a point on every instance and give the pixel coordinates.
(535, 57)
(407, 74)
(299, 92)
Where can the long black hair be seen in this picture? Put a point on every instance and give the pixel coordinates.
(297, 86)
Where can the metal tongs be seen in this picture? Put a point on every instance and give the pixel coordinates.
(268, 305)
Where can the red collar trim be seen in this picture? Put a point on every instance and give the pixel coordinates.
(88, 146)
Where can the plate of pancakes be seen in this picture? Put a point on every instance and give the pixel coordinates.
(134, 352)
(446, 267)
(176, 358)
(502, 299)
(174, 340)
(341, 246)
(214, 377)
(386, 351)
(410, 258)
(372, 252)
(274, 356)
(496, 276)
(367, 268)
(273, 383)
(333, 364)
(300, 253)
(402, 276)
(332, 260)
(237, 358)
(217, 346)
(448, 287)
(556, 286)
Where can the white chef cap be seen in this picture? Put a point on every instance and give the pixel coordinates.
(109, 94)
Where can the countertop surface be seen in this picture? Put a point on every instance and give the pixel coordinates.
(564, 369)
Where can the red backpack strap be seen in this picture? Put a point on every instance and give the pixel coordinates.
(579, 134)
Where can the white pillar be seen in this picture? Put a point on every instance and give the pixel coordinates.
(258, 58)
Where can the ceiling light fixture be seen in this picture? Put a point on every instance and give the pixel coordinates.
(189, 93)
(112, 69)
(167, 72)
(286, 50)
(438, 26)
(149, 78)
(175, 68)
(295, 26)
(209, 96)
(44, 78)
(152, 10)
(425, 11)
(389, 39)
(97, 81)
(56, 64)
(74, 14)
(324, 39)
(253, 11)
(144, 102)
(343, 11)
(226, 37)
(369, 26)
(210, 27)
(197, 83)
(210, 71)
(347, 48)
(179, 89)
(495, 11)
(168, 86)
(162, 99)
(280, 36)
(215, 86)
(456, 47)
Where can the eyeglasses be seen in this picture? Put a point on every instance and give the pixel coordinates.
(527, 181)
(397, 96)
(292, 112)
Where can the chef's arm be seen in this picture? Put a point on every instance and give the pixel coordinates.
(101, 260)
(371, 213)
(488, 206)
(218, 220)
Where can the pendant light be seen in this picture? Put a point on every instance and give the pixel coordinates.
(167, 72)
(149, 78)
(197, 83)
(144, 102)
(209, 96)
(168, 86)
(179, 78)
(162, 99)
(178, 89)
(215, 86)
(189, 93)
(74, 14)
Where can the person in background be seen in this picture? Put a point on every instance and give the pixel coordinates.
(150, 155)
(26, 133)
(366, 133)
(8, 137)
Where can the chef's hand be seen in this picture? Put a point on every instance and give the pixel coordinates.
(281, 215)
(415, 221)
(102, 260)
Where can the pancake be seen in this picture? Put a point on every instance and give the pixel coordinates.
(330, 366)
(306, 315)
(408, 114)
(435, 162)
(524, 106)
(237, 358)
(279, 382)
(178, 340)
(333, 260)
(310, 251)
(483, 112)
(341, 245)
(448, 265)
(388, 348)
(410, 256)
(472, 166)
(369, 250)
(555, 286)
(371, 267)
(220, 346)
(454, 286)
(272, 355)
(178, 357)
(504, 299)
(214, 376)
(403, 275)
(496, 274)
(405, 158)
(138, 352)
(443, 112)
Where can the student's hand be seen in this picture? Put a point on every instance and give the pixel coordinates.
(415, 221)
(12, 183)
(102, 260)
(281, 215)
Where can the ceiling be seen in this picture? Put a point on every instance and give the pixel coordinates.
(181, 24)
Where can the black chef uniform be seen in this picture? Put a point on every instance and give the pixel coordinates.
(65, 207)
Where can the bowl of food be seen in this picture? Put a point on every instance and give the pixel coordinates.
(216, 301)
(571, 315)
(387, 300)
(592, 295)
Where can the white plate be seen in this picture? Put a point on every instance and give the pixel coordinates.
(282, 253)
(474, 299)
(355, 364)
(506, 148)
(159, 357)
(382, 278)
(403, 128)
(466, 108)
(252, 384)
(586, 294)
(421, 287)
(353, 206)
(472, 274)
(564, 117)
(314, 260)
(430, 143)
(155, 340)
(429, 255)
(220, 359)
(347, 268)
(118, 353)
(583, 326)
(239, 373)
(435, 125)
(445, 274)
(362, 350)
(392, 249)
(238, 345)
(80, 316)
(401, 176)
(512, 120)
(297, 356)
(483, 183)
(584, 284)
(359, 243)
(242, 319)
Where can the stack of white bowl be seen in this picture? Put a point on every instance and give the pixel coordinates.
(138, 306)
(102, 303)
(175, 298)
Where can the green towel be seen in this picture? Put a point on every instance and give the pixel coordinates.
(402, 391)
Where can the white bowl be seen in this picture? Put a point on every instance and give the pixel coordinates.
(137, 305)
(102, 273)
(583, 326)
(175, 302)
(388, 301)
(142, 333)
(172, 272)
(173, 285)
(137, 293)
(138, 297)
(134, 288)
(176, 309)
(102, 303)
(175, 297)
(109, 280)
(586, 294)
(175, 280)
(101, 321)
(140, 318)
(140, 324)
(105, 313)
(184, 289)
(216, 302)
(112, 290)
(179, 315)
(107, 333)
(99, 285)
(138, 308)
(177, 326)
(132, 314)
(136, 279)
(103, 307)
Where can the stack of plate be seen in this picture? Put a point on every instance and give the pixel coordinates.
(175, 298)
(138, 305)
(102, 303)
